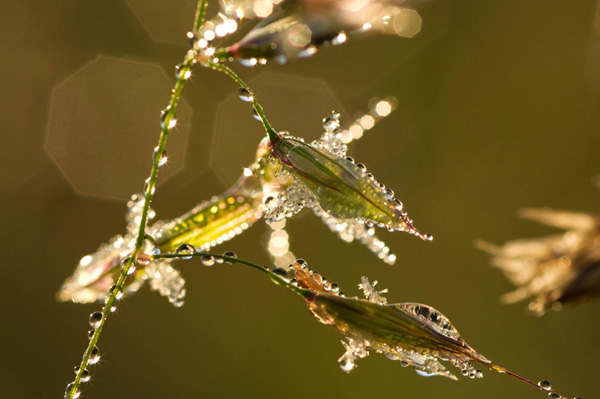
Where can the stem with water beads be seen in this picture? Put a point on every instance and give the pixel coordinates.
(246, 94)
(167, 123)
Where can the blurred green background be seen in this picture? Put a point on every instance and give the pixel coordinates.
(499, 108)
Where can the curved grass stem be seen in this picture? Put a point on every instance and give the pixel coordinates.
(167, 123)
(273, 136)
(502, 370)
(200, 14)
(232, 259)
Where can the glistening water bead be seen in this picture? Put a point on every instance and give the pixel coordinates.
(281, 273)
(147, 189)
(131, 269)
(347, 366)
(85, 376)
(245, 95)
(256, 115)
(119, 291)
(95, 356)
(187, 250)
(163, 156)
(545, 385)
(207, 260)
(229, 254)
(68, 390)
(95, 319)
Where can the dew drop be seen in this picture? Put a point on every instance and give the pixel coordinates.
(396, 203)
(229, 254)
(207, 260)
(335, 287)
(85, 376)
(90, 334)
(361, 167)
(70, 387)
(187, 250)
(131, 267)
(331, 122)
(350, 159)
(143, 259)
(545, 385)
(553, 395)
(191, 37)
(478, 374)
(256, 115)
(245, 95)
(119, 291)
(281, 273)
(178, 69)
(249, 62)
(95, 319)
(424, 373)
(163, 117)
(147, 189)
(163, 156)
(95, 356)
(347, 365)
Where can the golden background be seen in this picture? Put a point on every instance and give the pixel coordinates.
(499, 108)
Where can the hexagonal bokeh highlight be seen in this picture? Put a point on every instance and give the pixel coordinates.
(294, 104)
(407, 23)
(166, 21)
(104, 124)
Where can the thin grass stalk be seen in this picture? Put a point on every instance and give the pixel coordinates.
(166, 119)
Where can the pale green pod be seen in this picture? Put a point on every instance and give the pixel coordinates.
(343, 189)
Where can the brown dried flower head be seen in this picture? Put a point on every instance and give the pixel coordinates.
(554, 270)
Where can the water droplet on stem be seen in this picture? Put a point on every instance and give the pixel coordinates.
(119, 290)
(207, 260)
(229, 254)
(245, 95)
(545, 385)
(95, 356)
(187, 250)
(95, 319)
(281, 273)
(70, 387)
